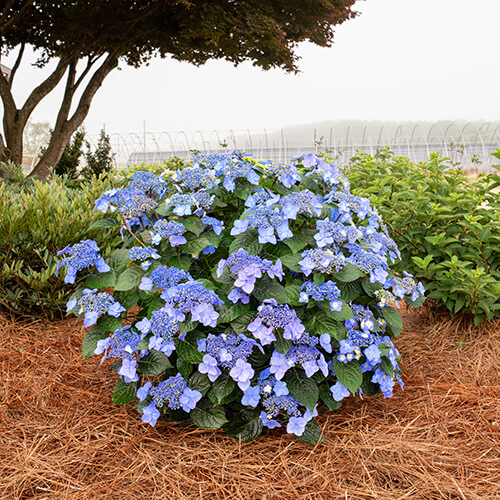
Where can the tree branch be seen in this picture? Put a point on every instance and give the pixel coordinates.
(16, 64)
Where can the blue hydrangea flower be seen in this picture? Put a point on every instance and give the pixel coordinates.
(148, 182)
(164, 277)
(143, 254)
(93, 305)
(168, 229)
(81, 255)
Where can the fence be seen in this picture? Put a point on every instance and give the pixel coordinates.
(469, 144)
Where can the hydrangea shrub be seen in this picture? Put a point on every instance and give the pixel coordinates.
(247, 295)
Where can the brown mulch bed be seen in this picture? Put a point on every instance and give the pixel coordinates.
(61, 437)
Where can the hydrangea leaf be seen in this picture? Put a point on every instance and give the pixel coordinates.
(249, 241)
(154, 363)
(232, 312)
(322, 323)
(293, 294)
(246, 426)
(343, 314)
(102, 280)
(124, 393)
(312, 433)
(292, 262)
(196, 245)
(185, 368)
(109, 323)
(327, 398)
(300, 240)
(302, 388)
(199, 382)
(182, 262)
(350, 291)
(393, 319)
(193, 224)
(187, 349)
(207, 416)
(348, 273)
(103, 223)
(130, 278)
(118, 260)
(128, 298)
(221, 388)
(348, 374)
(89, 342)
(269, 289)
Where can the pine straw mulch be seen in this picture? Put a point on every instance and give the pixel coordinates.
(61, 438)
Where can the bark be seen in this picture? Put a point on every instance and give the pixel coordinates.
(65, 125)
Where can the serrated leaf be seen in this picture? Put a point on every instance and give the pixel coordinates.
(249, 241)
(318, 278)
(109, 323)
(206, 416)
(270, 289)
(300, 240)
(312, 433)
(246, 426)
(348, 374)
(196, 246)
(302, 388)
(240, 324)
(127, 298)
(193, 224)
(321, 323)
(369, 287)
(221, 388)
(292, 262)
(327, 398)
(187, 349)
(343, 314)
(156, 303)
(350, 291)
(232, 312)
(102, 280)
(187, 326)
(124, 393)
(293, 294)
(129, 279)
(118, 260)
(185, 368)
(387, 367)
(182, 262)
(393, 319)
(347, 274)
(89, 342)
(154, 363)
(103, 223)
(199, 382)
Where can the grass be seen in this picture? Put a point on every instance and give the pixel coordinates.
(61, 438)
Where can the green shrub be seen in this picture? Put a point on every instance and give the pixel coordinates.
(446, 225)
(99, 161)
(70, 159)
(170, 165)
(37, 220)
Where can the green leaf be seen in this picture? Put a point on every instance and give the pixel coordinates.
(327, 398)
(249, 240)
(347, 274)
(246, 426)
(282, 345)
(393, 319)
(102, 280)
(124, 393)
(292, 262)
(302, 388)
(312, 433)
(321, 323)
(348, 374)
(128, 298)
(199, 382)
(89, 342)
(343, 314)
(185, 368)
(109, 323)
(318, 278)
(387, 367)
(187, 349)
(103, 223)
(187, 326)
(350, 291)
(196, 246)
(154, 363)
(118, 260)
(270, 289)
(232, 312)
(182, 262)
(370, 288)
(206, 416)
(130, 278)
(221, 388)
(240, 324)
(293, 294)
(300, 240)
(193, 224)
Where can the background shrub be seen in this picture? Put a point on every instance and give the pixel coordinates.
(446, 225)
(99, 161)
(37, 220)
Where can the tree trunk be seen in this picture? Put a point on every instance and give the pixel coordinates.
(65, 126)
(5, 154)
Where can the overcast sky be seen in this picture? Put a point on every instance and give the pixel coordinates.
(398, 60)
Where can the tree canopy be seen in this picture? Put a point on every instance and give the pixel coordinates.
(88, 39)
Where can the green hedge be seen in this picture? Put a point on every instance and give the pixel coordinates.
(446, 225)
(37, 220)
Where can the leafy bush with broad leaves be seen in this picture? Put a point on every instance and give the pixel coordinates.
(446, 225)
(37, 219)
(247, 295)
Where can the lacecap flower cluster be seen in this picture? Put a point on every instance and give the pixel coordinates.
(247, 294)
